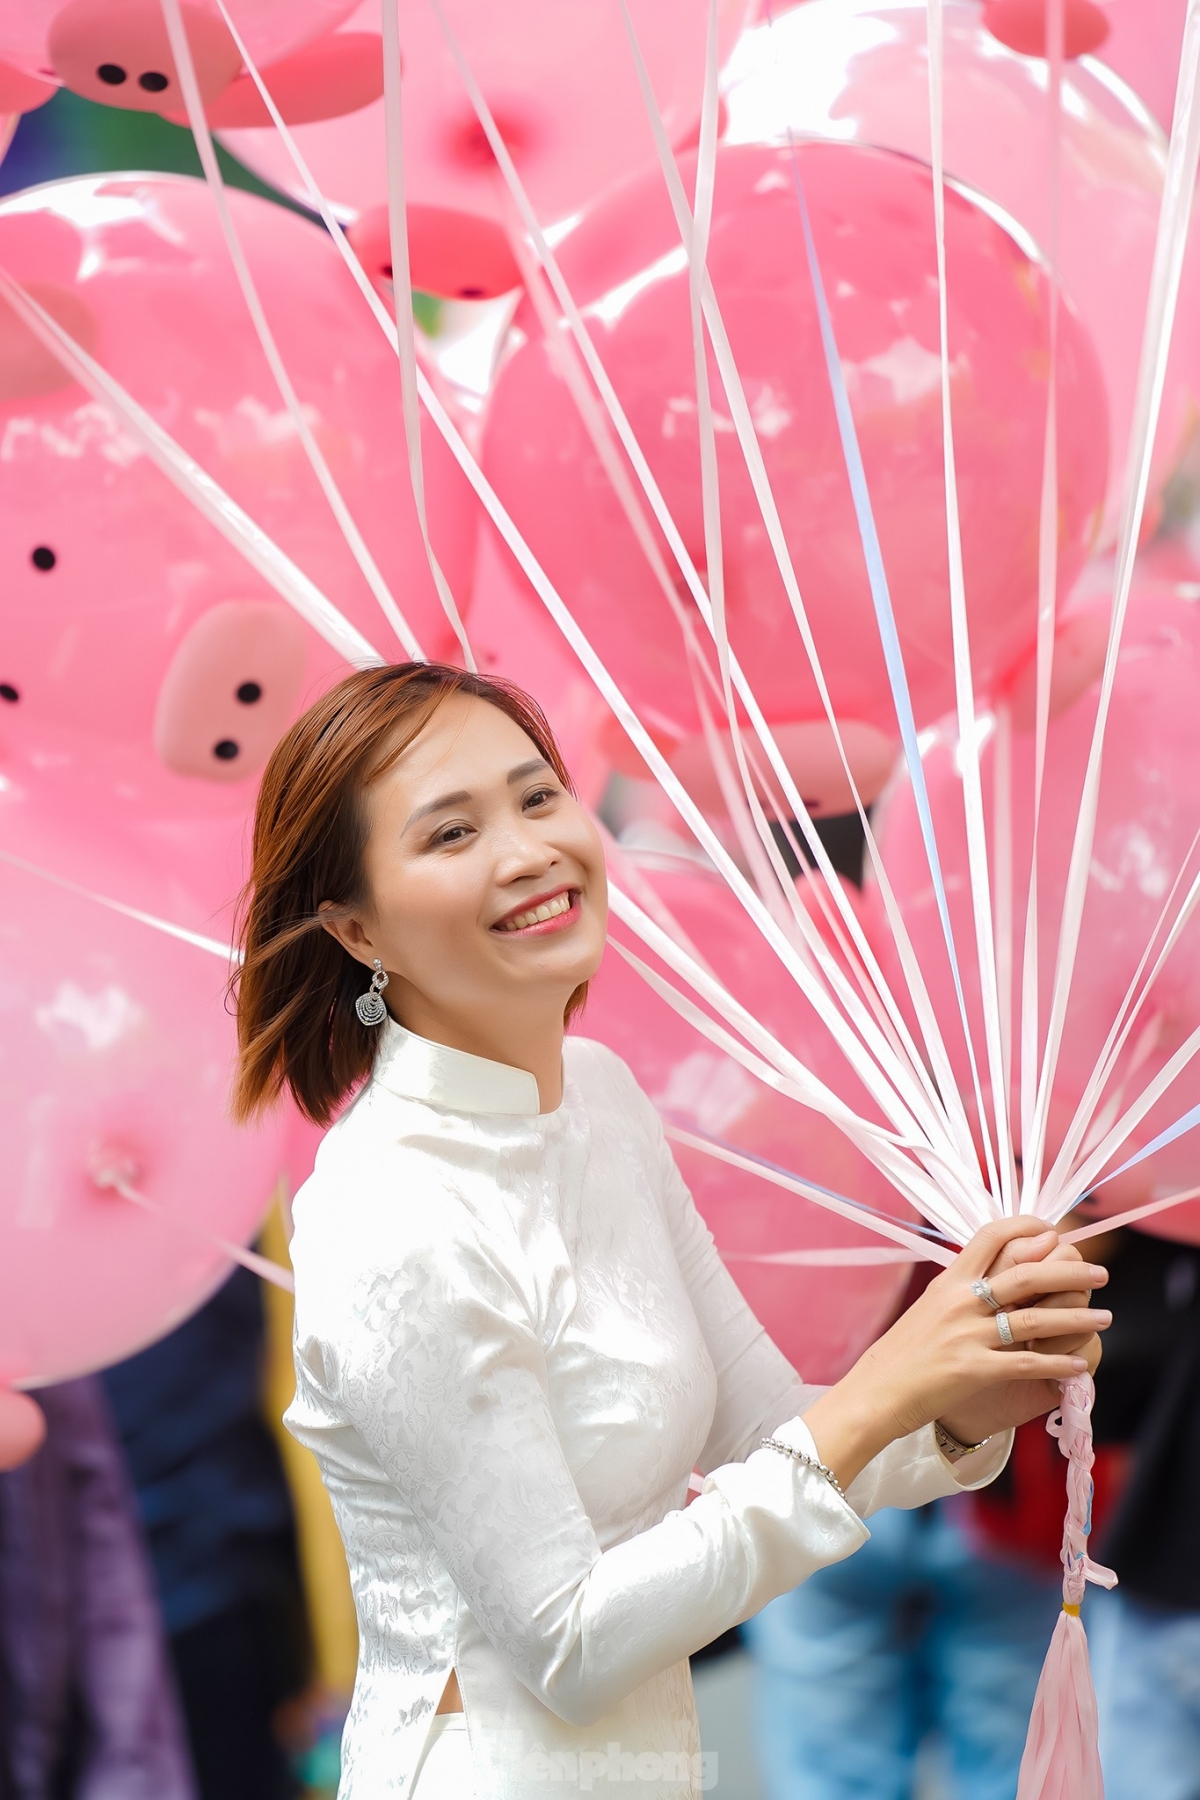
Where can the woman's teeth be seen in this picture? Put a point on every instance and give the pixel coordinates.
(561, 903)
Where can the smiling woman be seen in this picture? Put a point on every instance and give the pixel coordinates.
(515, 1339)
(423, 817)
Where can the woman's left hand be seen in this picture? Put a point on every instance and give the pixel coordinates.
(1015, 1403)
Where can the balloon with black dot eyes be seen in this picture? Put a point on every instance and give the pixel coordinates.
(564, 94)
(139, 651)
(118, 52)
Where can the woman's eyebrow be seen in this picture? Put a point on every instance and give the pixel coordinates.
(462, 796)
(439, 805)
(527, 768)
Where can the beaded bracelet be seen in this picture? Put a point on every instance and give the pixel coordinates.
(769, 1443)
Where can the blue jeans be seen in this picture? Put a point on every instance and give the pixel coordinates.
(915, 1633)
(1146, 1666)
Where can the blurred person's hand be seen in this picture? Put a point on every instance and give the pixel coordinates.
(22, 1428)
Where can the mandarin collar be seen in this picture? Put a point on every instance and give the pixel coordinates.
(418, 1069)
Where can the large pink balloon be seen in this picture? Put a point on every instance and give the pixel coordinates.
(116, 1050)
(822, 1318)
(560, 80)
(872, 219)
(125, 617)
(859, 71)
(1148, 817)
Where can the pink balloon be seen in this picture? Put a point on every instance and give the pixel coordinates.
(20, 93)
(1148, 817)
(860, 71)
(127, 619)
(871, 214)
(513, 636)
(116, 1052)
(22, 1429)
(331, 75)
(118, 51)
(301, 1141)
(822, 1318)
(1143, 45)
(561, 82)
(456, 255)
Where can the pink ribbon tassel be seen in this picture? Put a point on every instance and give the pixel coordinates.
(1061, 1760)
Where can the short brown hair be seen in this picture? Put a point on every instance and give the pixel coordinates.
(296, 988)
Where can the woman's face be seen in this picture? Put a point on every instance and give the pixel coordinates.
(485, 876)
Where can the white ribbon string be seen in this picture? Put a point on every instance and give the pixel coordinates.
(897, 678)
(757, 842)
(226, 952)
(1031, 1173)
(1130, 1011)
(1183, 156)
(1084, 1178)
(865, 1256)
(775, 876)
(599, 674)
(707, 1144)
(402, 295)
(398, 331)
(752, 454)
(964, 686)
(886, 1149)
(807, 1190)
(1003, 887)
(637, 459)
(1130, 1216)
(114, 1180)
(181, 51)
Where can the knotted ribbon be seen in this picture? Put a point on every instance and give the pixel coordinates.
(1062, 1760)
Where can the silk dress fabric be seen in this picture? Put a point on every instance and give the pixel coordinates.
(515, 1339)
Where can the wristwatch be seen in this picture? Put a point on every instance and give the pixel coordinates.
(951, 1447)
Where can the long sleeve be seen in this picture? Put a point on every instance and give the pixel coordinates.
(441, 1370)
(758, 1390)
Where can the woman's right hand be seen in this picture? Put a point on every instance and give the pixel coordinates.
(943, 1358)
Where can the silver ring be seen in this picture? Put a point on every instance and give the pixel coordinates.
(982, 1290)
(1004, 1328)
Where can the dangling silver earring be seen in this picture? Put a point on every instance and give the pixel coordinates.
(369, 1006)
